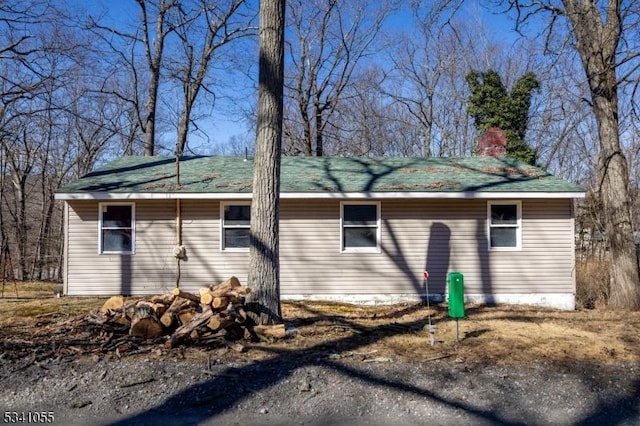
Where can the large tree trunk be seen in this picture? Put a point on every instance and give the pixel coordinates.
(597, 39)
(264, 263)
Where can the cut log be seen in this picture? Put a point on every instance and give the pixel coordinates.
(185, 315)
(227, 285)
(277, 331)
(145, 324)
(237, 293)
(169, 317)
(185, 295)
(217, 323)
(159, 308)
(165, 299)
(220, 302)
(206, 298)
(113, 304)
(216, 312)
(185, 330)
(129, 308)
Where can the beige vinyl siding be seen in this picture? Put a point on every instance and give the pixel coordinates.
(206, 264)
(438, 235)
(441, 236)
(150, 270)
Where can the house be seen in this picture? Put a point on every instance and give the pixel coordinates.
(351, 229)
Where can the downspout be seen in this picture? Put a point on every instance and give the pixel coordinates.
(178, 250)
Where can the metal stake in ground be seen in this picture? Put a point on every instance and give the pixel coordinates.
(431, 328)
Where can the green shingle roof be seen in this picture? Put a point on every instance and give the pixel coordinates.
(321, 175)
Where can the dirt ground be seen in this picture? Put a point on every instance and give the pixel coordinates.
(339, 364)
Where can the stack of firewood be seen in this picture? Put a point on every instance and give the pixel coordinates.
(183, 316)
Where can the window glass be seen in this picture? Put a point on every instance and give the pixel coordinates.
(359, 237)
(116, 216)
(503, 237)
(116, 227)
(360, 214)
(360, 228)
(237, 215)
(236, 226)
(116, 240)
(504, 225)
(504, 214)
(236, 238)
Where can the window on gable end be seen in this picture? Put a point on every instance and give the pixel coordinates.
(360, 227)
(504, 225)
(117, 228)
(235, 226)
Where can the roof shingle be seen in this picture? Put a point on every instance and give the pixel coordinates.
(321, 175)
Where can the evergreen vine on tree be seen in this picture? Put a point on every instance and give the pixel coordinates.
(491, 105)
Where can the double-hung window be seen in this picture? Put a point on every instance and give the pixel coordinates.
(117, 228)
(235, 226)
(360, 226)
(504, 223)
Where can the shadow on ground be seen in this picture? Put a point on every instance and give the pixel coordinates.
(452, 393)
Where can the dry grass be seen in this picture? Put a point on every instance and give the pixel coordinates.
(13, 311)
(27, 302)
(505, 334)
(497, 335)
(592, 278)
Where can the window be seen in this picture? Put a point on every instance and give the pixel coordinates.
(117, 228)
(236, 226)
(505, 231)
(360, 227)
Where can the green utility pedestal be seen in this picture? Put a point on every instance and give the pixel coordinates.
(456, 295)
(455, 281)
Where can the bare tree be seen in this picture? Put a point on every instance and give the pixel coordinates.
(330, 40)
(427, 81)
(158, 20)
(31, 62)
(168, 53)
(264, 257)
(418, 67)
(604, 34)
(154, 51)
(202, 34)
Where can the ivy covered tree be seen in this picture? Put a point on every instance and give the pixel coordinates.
(491, 105)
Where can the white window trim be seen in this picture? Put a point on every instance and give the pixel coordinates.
(101, 206)
(375, 249)
(518, 225)
(223, 227)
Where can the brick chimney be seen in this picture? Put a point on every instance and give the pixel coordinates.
(492, 143)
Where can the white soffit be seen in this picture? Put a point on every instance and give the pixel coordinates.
(318, 195)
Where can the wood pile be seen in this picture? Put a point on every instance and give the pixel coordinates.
(180, 316)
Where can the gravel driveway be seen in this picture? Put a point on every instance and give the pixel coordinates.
(326, 390)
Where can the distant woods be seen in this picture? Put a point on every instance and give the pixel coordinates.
(82, 83)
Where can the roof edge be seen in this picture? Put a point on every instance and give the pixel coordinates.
(314, 195)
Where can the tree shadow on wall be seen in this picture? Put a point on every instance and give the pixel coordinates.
(438, 257)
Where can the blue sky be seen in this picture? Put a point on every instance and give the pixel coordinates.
(222, 126)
